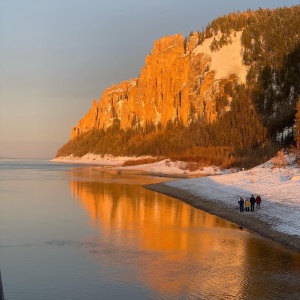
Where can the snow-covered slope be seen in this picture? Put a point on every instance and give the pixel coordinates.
(228, 60)
(279, 189)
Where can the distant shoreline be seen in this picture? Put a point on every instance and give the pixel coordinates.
(245, 220)
(163, 168)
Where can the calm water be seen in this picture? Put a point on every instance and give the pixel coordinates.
(68, 232)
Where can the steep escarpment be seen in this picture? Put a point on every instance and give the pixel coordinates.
(231, 88)
(177, 82)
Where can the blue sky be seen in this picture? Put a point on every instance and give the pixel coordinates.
(56, 56)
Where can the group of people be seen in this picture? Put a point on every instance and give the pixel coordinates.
(249, 204)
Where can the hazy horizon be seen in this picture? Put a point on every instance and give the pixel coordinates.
(28, 149)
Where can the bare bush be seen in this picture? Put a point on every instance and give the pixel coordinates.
(142, 161)
(297, 157)
(279, 160)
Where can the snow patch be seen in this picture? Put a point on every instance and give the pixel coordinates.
(228, 60)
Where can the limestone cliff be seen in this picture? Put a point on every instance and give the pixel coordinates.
(179, 80)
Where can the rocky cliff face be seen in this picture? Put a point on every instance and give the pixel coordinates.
(177, 81)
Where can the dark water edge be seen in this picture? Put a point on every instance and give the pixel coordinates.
(243, 221)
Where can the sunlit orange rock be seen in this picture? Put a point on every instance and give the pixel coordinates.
(176, 82)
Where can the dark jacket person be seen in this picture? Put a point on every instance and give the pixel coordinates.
(241, 203)
(252, 202)
(258, 201)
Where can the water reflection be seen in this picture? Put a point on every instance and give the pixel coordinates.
(183, 251)
(160, 222)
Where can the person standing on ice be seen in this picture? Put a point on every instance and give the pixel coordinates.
(258, 201)
(241, 203)
(252, 202)
(247, 204)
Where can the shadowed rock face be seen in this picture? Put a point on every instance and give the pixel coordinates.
(176, 82)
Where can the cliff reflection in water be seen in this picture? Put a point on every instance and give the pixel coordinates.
(192, 249)
(150, 221)
(159, 221)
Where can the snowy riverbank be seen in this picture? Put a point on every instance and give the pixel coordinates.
(279, 188)
(164, 167)
(279, 215)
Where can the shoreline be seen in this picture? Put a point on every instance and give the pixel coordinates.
(162, 168)
(213, 190)
(245, 220)
(141, 172)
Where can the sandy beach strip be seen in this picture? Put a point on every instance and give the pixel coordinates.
(247, 220)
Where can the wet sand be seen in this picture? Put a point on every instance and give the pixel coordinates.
(248, 220)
